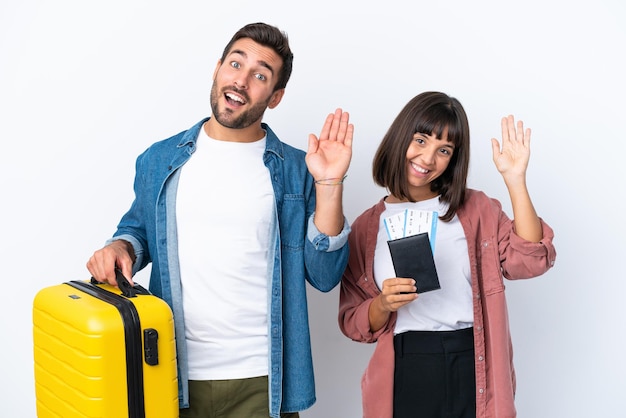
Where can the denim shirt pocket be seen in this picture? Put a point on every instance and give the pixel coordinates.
(293, 223)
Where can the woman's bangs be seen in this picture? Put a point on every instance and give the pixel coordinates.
(439, 121)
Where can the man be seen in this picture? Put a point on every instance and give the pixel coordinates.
(233, 234)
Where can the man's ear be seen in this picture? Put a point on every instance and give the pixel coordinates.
(277, 96)
(217, 67)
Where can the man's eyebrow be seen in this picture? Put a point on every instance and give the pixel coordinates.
(261, 63)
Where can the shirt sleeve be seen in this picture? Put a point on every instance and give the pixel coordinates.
(323, 242)
(137, 248)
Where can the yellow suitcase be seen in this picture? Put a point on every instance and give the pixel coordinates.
(103, 351)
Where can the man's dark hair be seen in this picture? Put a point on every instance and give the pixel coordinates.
(271, 37)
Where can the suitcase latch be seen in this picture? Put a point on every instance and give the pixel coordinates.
(150, 347)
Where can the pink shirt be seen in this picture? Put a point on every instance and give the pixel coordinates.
(495, 251)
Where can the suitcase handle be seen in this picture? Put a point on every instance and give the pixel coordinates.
(124, 285)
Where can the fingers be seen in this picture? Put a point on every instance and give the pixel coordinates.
(495, 146)
(101, 268)
(397, 289)
(511, 155)
(508, 129)
(337, 127)
(103, 262)
(512, 131)
(349, 134)
(327, 126)
(126, 267)
(398, 286)
(313, 144)
(519, 134)
(397, 292)
(527, 136)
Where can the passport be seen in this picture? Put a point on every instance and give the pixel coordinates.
(412, 257)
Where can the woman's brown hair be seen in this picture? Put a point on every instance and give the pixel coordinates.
(430, 113)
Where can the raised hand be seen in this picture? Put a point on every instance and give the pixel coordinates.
(511, 157)
(512, 162)
(328, 157)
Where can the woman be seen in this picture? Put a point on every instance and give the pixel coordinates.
(445, 352)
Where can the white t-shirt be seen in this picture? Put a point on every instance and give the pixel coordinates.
(448, 308)
(224, 208)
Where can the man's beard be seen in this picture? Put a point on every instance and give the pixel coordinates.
(242, 121)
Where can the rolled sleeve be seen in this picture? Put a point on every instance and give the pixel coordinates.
(136, 247)
(323, 242)
(525, 259)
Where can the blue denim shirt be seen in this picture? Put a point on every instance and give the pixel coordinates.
(300, 252)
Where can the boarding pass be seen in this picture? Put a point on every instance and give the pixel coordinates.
(412, 222)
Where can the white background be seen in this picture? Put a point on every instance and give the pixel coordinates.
(86, 86)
